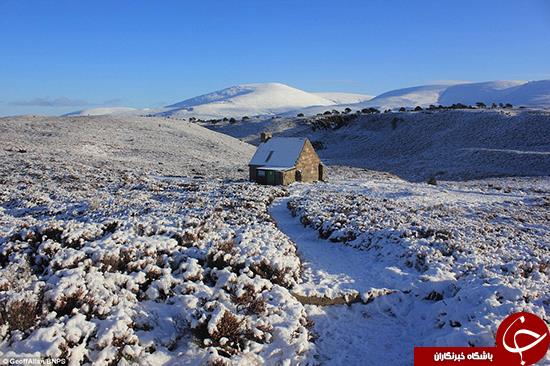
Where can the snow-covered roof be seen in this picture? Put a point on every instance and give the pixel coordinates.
(280, 152)
(275, 168)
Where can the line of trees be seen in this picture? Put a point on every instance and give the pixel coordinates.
(478, 105)
(349, 111)
(372, 110)
(431, 107)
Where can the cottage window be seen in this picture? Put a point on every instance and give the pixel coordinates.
(261, 173)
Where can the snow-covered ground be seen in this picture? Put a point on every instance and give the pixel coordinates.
(127, 268)
(156, 145)
(107, 257)
(127, 239)
(447, 144)
(430, 265)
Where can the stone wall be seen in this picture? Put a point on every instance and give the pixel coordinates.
(308, 163)
(282, 177)
(289, 176)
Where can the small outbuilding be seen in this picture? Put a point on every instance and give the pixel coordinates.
(284, 160)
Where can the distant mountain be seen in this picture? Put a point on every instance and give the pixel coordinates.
(532, 94)
(345, 98)
(519, 93)
(279, 99)
(104, 111)
(408, 97)
(246, 100)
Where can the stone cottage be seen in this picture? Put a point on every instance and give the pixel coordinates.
(284, 160)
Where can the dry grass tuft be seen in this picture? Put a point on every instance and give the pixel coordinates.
(21, 314)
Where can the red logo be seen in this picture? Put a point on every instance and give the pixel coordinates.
(522, 339)
(525, 336)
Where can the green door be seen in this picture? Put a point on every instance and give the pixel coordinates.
(270, 176)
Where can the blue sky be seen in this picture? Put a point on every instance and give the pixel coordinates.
(58, 56)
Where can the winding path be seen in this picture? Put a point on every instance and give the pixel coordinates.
(333, 269)
(356, 334)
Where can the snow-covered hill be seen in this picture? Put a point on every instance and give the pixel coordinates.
(155, 145)
(345, 98)
(270, 99)
(515, 92)
(103, 111)
(519, 93)
(246, 100)
(408, 97)
(451, 144)
(486, 92)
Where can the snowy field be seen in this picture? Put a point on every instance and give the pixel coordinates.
(421, 265)
(160, 271)
(107, 264)
(137, 240)
(155, 145)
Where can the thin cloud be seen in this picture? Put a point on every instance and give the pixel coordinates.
(161, 104)
(537, 76)
(112, 102)
(444, 82)
(341, 81)
(62, 102)
(51, 102)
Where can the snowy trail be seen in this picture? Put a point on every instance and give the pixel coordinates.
(349, 335)
(331, 269)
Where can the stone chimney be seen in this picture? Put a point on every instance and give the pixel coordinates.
(264, 136)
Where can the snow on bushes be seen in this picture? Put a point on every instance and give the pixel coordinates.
(108, 267)
(469, 253)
